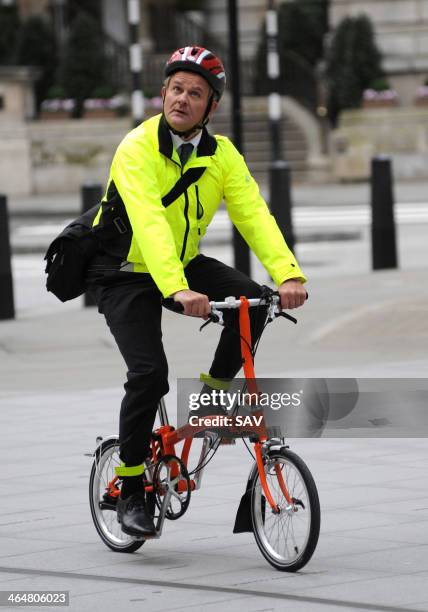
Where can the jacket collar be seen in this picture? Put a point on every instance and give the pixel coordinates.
(207, 145)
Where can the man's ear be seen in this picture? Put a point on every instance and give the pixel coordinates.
(213, 107)
(163, 92)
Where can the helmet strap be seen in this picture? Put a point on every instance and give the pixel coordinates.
(197, 126)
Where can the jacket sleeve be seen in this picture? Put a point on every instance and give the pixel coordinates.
(134, 174)
(249, 213)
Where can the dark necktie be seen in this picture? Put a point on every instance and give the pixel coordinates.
(184, 152)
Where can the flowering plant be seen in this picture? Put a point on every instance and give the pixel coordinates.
(57, 104)
(383, 95)
(113, 103)
(380, 92)
(422, 92)
(155, 103)
(118, 103)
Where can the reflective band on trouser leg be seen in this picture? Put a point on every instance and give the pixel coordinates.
(132, 470)
(215, 383)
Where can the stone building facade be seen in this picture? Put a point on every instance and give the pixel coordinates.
(402, 35)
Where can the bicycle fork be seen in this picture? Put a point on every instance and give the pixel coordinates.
(259, 447)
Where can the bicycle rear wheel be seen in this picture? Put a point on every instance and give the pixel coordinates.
(287, 539)
(103, 506)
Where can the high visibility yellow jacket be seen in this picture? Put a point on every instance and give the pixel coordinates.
(165, 239)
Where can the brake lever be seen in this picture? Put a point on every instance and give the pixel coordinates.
(274, 309)
(205, 324)
(215, 316)
(286, 316)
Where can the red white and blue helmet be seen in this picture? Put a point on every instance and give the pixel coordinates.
(203, 62)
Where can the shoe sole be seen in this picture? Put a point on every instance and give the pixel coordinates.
(135, 534)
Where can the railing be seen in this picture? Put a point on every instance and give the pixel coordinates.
(171, 29)
(117, 63)
(299, 79)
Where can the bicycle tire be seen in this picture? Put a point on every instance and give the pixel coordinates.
(105, 520)
(287, 540)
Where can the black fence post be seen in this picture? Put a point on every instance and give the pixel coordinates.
(280, 199)
(241, 251)
(279, 170)
(92, 194)
(384, 249)
(7, 307)
(135, 62)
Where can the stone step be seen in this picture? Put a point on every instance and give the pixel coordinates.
(292, 142)
(257, 142)
(251, 127)
(262, 166)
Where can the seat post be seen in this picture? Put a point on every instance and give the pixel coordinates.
(163, 415)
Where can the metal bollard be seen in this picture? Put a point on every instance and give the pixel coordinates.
(384, 249)
(92, 194)
(280, 199)
(7, 307)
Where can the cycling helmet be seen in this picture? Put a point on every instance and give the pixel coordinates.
(203, 62)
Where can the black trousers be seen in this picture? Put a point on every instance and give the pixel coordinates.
(131, 304)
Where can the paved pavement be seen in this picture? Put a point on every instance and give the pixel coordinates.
(60, 387)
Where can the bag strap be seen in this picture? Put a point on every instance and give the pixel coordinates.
(118, 226)
(183, 183)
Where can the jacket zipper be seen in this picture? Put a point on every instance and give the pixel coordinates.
(186, 233)
(186, 216)
(199, 209)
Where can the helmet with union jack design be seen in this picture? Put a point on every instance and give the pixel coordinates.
(202, 61)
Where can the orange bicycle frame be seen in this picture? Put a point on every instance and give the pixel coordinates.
(166, 437)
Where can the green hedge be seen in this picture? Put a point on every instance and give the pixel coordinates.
(354, 62)
(83, 68)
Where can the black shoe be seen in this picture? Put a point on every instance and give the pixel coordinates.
(133, 516)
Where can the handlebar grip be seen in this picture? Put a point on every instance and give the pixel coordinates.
(171, 304)
(306, 298)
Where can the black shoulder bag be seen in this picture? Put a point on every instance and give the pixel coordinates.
(68, 256)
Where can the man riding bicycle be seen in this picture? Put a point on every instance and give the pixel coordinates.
(167, 179)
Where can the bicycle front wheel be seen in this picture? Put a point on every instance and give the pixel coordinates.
(103, 506)
(288, 538)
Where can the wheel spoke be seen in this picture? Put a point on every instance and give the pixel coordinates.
(106, 520)
(285, 538)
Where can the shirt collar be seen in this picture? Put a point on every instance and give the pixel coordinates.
(177, 141)
(206, 147)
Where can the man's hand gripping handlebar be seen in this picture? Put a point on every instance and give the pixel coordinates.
(269, 298)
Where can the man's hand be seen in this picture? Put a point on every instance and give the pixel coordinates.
(195, 304)
(292, 293)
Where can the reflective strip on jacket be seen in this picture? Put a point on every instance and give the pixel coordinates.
(165, 239)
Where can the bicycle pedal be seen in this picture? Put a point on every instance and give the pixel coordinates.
(155, 536)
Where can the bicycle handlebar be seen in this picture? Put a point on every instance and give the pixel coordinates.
(272, 301)
(229, 302)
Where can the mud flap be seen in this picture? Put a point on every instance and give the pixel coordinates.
(243, 522)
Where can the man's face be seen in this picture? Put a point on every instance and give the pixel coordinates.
(185, 100)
